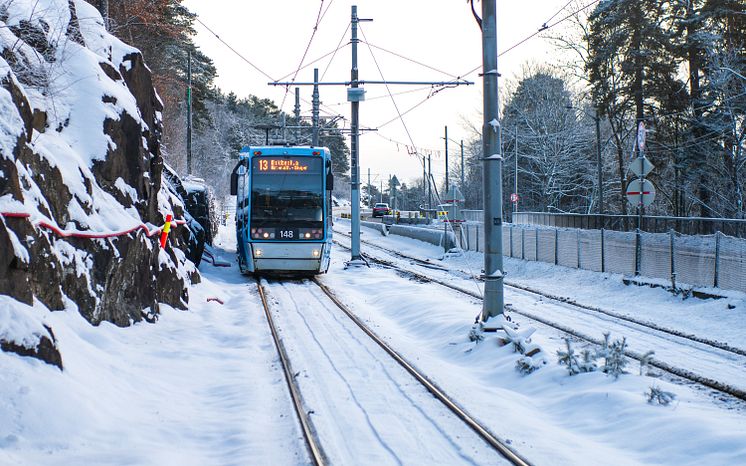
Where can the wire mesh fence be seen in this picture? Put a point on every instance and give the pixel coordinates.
(716, 260)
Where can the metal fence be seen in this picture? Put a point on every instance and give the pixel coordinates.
(650, 223)
(715, 260)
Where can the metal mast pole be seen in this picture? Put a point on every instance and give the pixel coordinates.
(315, 112)
(515, 183)
(462, 167)
(493, 303)
(446, 139)
(189, 114)
(370, 195)
(429, 186)
(424, 183)
(296, 112)
(354, 144)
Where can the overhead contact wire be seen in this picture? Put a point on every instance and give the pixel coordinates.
(234, 50)
(308, 47)
(388, 89)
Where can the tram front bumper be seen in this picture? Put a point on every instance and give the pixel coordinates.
(287, 256)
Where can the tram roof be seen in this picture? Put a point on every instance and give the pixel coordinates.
(248, 151)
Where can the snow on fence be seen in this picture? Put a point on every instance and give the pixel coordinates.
(703, 261)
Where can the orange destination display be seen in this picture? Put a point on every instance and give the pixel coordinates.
(292, 165)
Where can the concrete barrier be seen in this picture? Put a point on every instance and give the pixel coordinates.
(427, 235)
(376, 226)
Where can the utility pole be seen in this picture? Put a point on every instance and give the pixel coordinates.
(463, 188)
(515, 184)
(296, 112)
(355, 96)
(494, 301)
(446, 139)
(391, 195)
(315, 111)
(429, 185)
(370, 192)
(189, 113)
(424, 182)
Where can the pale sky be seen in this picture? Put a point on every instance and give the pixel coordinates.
(441, 34)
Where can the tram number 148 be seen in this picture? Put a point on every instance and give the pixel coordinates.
(289, 234)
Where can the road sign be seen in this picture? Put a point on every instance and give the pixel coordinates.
(514, 197)
(641, 135)
(641, 166)
(640, 193)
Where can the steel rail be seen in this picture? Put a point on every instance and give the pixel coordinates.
(436, 391)
(688, 336)
(683, 373)
(314, 449)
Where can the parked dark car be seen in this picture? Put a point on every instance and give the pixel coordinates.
(381, 209)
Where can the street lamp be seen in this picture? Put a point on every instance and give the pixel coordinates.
(597, 119)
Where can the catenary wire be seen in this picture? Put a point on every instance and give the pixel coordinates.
(413, 61)
(314, 61)
(388, 89)
(196, 18)
(522, 41)
(339, 45)
(319, 16)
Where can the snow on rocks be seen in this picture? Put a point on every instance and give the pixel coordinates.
(79, 150)
(24, 332)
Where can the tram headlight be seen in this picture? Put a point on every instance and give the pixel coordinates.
(316, 253)
(258, 253)
(265, 235)
(310, 233)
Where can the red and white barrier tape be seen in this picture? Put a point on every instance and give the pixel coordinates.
(82, 234)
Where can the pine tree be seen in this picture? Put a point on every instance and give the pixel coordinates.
(630, 67)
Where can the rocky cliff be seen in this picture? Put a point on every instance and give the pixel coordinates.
(80, 165)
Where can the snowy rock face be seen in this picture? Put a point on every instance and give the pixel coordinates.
(79, 152)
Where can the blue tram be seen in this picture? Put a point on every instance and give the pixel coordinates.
(283, 209)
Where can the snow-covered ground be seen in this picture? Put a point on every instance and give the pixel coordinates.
(203, 386)
(200, 387)
(723, 320)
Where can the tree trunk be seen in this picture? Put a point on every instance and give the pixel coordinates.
(103, 8)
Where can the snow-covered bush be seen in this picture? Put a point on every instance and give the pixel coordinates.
(576, 364)
(476, 334)
(657, 395)
(569, 358)
(613, 354)
(587, 361)
(526, 364)
(645, 362)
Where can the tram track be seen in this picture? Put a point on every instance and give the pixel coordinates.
(686, 374)
(314, 447)
(569, 302)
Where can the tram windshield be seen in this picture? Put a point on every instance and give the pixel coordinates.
(287, 194)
